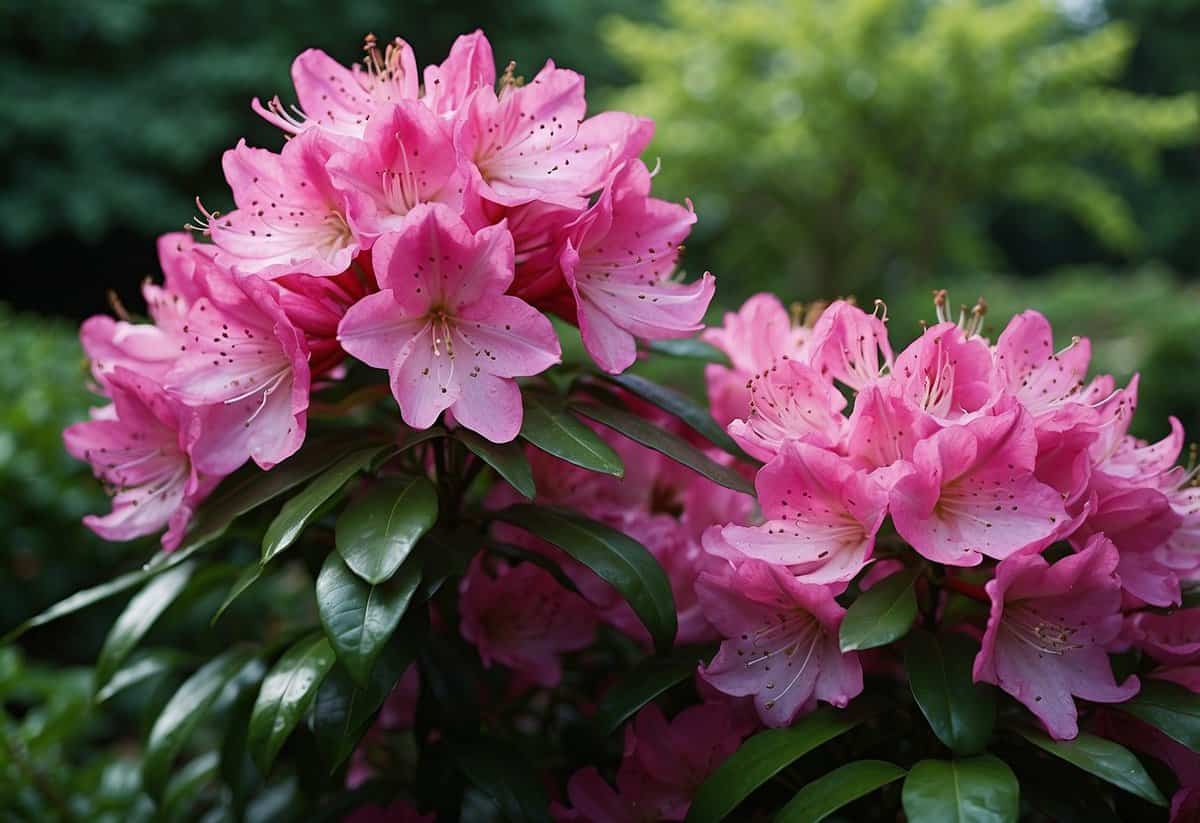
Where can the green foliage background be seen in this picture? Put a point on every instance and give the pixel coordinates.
(874, 147)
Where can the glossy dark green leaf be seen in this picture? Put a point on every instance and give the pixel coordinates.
(550, 427)
(286, 693)
(246, 579)
(186, 784)
(184, 711)
(378, 530)
(299, 511)
(960, 712)
(1107, 760)
(508, 459)
(681, 406)
(762, 757)
(343, 709)
(641, 685)
(139, 615)
(691, 349)
(1170, 708)
(237, 768)
(617, 558)
(845, 784)
(360, 618)
(493, 769)
(883, 613)
(979, 789)
(640, 430)
(140, 667)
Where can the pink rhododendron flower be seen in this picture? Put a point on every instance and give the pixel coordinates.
(850, 345)
(971, 492)
(782, 642)
(618, 262)
(822, 515)
(443, 327)
(883, 432)
(1172, 639)
(946, 373)
(790, 401)
(290, 218)
(524, 619)
(244, 365)
(140, 448)
(1040, 378)
(1048, 630)
(636, 799)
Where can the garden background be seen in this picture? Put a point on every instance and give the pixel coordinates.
(1039, 154)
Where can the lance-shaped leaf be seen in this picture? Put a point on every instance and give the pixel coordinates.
(245, 580)
(286, 693)
(960, 711)
(691, 349)
(765, 755)
(139, 668)
(378, 530)
(360, 618)
(303, 508)
(642, 684)
(516, 789)
(979, 789)
(554, 430)
(139, 615)
(845, 784)
(1107, 760)
(680, 405)
(508, 459)
(1170, 708)
(617, 558)
(184, 711)
(881, 614)
(185, 785)
(651, 436)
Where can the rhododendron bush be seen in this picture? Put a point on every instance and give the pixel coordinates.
(938, 579)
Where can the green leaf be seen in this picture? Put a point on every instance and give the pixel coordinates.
(641, 685)
(691, 349)
(343, 709)
(359, 618)
(298, 512)
(246, 579)
(186, 783)
(286, 693)
(765, 755)
(973, 790)
(681, 406)
(378, 530)
(618, 559)
(1168, 707)
(141, 667)
(1107, 760)
(960, 712)
(655, 437)
(139, 615)
(881, 614)
(492, 768)
(508, 459)
(184, 711)
(556, 431)
(831, 791)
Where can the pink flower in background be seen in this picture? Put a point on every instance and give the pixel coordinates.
(290, 218)
(316, 305)
(244, 365)
(636, 799)
(398, 811)
(850, 345)
(946, 373)
(1040, 378)
(618, 261)
(790, 401)
(523, 619)
(1181, 551)
(782, 642)
(443, 327)
(1048, 630)
(1171, 639)
(971, 492)
(822, 515)
(139, 447)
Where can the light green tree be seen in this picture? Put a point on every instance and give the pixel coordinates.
(835, 145)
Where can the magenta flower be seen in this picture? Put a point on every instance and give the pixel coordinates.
(971, 492)
(1171, 639)
(782, 642)
(883, 432)
(443, 327)
(850, 345)
(618, 261)
(523, 619)
(469, 66)
(1048, 630)
(244, 365)
(946, 373)
(822, 515)
(1040, 378)
(790, 401)
(290, 218)
(139, 447)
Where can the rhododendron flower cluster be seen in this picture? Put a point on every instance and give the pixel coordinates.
(566, 591)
